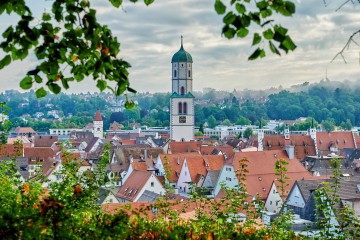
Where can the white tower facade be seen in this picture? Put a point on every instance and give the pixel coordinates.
(98, 125)
(182, 119)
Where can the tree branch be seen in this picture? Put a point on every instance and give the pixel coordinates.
(347, 45)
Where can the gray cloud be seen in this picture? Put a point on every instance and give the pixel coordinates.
(150, 35)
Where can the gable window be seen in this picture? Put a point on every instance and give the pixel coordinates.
(182, 90)
(152, 184)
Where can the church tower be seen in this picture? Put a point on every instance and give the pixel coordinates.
(182, 119)
(98, 125)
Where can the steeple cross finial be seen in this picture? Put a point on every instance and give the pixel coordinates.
(181, 41)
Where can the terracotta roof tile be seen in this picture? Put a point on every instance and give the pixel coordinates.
(24, 130)
(39, 154)
(199, 165)
(44, 141)
(184, 147)
(10, 150)
(98, 116)
(261, 167)
(340, 140)
(304, 145)
(132, 186)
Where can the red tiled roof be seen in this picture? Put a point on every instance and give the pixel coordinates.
(261, 167)
(341, 140)
(22, 130)
(207, 150)
(127, 141)
(10, 150)
(173, 163)
(39, 154)
(357, 139)
(139, 166)
(98, 116)
(133, 185)
(303, 144)
(183, 147)
(199, 165)
(44, 141)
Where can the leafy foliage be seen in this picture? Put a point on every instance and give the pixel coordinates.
(69, 44)
(240, 15)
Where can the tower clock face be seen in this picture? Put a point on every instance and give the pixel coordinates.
(182, 119)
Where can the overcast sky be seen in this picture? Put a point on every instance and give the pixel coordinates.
(150, 36)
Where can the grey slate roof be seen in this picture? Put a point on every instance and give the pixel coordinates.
(148, 196)
(214, 175)
(22, 164)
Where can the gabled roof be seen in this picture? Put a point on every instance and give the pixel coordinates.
(22, 165)
(91, 144)
(215, 150)
(341, 140)
(173, 163)
(44, 141)
(98, 116)
(213, 175)
(24, 130)
(10, 150)
(199, 165)
(39, 154)
(261, 167)
(184, 147)
(303, 144)
(133, 185)
(148, 196)
(49, 166)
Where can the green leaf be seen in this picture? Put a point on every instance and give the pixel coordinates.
(288, 9)
(54, 88)
(256, 39)
(229, 32)
(220, 8)
(258, 53)
(129, 104)
(38, 79)
(268, 34)
(229, 18)
(26, 83)
(262, 5)
(131, 90)
(101, 84)
(288, 43)
(273, 48)
(242, 32)
(46, 17)
(5, 61)
(33, 72)
(148, 2)
(40, 92)
(116, 3)
(240, 8)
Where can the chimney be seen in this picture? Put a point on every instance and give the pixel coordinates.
(290, 150)
(145, 153)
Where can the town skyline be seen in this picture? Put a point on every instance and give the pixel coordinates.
(151, 35)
